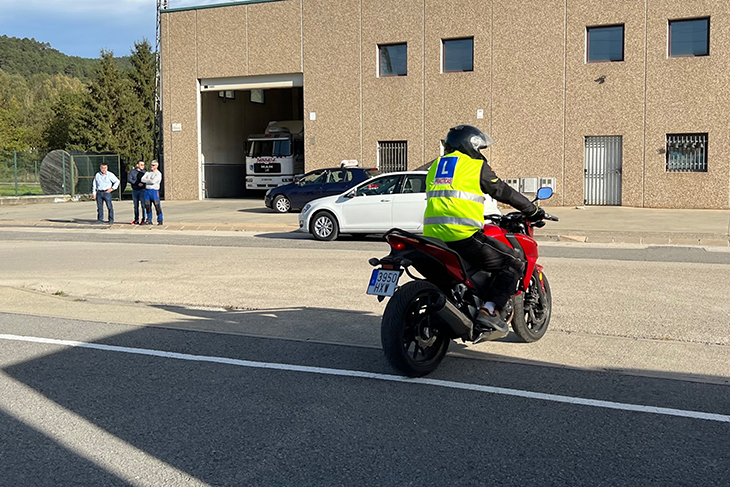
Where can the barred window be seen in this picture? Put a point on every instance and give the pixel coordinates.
(393, 156)
(686, 152)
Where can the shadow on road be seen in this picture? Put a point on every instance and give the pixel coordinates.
(228, 424)
(258, 210)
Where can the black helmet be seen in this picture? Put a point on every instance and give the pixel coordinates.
(468, 140)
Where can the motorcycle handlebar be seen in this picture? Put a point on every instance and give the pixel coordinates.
(520, 216)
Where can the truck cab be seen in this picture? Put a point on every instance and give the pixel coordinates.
(276, 156)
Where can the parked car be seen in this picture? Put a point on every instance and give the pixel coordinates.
(394, 200)
(374, 206)
(315, 184)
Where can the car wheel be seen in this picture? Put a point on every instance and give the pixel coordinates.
(324, 226)
(281, 204)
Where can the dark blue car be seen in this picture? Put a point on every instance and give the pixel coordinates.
(315, 184)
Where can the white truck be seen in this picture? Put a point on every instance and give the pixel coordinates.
(276, 156)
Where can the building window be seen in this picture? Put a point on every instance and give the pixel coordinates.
(393, 156)
(605, 43)
(686, 152)
(689, 37)
(393, 59)
(457, 55)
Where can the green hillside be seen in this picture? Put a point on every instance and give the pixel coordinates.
(28, 57)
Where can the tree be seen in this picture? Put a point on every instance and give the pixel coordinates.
(142, 122)
(107, 111)
(64, 125)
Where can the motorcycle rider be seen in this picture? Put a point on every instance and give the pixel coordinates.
(455, 188)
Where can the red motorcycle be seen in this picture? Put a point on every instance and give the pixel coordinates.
(425, 314)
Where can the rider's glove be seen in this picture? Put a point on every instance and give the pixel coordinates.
(538, 215)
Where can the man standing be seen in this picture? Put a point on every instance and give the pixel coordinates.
(134, 178)
(152, 180)
(101, 190)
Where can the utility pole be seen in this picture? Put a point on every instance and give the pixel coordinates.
(161, 5)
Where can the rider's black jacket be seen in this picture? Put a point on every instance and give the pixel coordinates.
(500, 191)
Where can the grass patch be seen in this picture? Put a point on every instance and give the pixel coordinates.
(60, 293)
(22, 190)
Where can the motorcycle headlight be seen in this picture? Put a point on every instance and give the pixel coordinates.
(306, 208)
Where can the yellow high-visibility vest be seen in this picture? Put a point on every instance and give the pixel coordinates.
(455, 206)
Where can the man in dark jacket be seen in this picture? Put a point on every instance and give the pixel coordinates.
(138, 187)
(455, 188)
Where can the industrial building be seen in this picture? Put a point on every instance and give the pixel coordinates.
(611, 103)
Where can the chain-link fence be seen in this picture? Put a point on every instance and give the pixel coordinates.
(20, 173)
(55, 173)
(87, 166)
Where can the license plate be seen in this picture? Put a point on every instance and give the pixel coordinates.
(383, 283)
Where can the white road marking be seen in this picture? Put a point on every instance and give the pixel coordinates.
(578, 401)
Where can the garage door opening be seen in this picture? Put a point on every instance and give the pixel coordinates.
(229, 118)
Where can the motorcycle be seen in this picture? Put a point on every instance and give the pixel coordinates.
(440, 305)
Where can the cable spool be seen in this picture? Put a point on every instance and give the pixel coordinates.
(56, 174)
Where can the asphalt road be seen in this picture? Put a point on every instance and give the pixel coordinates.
(297, 240)
(223, 359)
(120, 416)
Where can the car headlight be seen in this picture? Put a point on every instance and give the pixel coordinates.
(306, 208)
(269, 192)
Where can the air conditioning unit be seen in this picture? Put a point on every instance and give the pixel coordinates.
(547, 183)
(513, 183)
(530, 185)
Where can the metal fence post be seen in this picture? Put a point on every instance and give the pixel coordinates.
(73, 186)
(15, 164)
(63, 163)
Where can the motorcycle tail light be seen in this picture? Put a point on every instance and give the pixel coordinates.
(397, 245)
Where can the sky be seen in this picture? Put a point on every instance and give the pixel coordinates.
(85, 27)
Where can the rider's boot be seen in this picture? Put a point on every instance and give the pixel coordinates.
(490, 326)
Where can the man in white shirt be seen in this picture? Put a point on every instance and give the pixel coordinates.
(101, 190)
(152, 180)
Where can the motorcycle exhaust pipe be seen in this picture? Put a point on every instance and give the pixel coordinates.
(459, 323)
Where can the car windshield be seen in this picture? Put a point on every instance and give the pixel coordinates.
(384, 185)
(269, 148)
(315, 177)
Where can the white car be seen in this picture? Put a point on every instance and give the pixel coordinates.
(394, 200)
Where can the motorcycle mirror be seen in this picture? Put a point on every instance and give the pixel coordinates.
(544, 193)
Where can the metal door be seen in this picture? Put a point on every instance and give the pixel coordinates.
(603, 159)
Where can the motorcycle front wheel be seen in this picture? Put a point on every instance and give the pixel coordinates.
(414, 338)
(532, 318)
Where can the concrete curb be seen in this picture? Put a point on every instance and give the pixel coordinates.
(31, 200)
(178, 226)
(697, 240)
(703, 240)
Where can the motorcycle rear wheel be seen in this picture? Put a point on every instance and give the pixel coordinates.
(531, 321)
(414, 339)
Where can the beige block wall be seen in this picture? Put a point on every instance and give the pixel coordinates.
(392, 106)
(275, 37)
(332, 82)
(222, 42)
(180, 95)
(527, 97)
(688, 95)
(530, 77)
(615, 107)
(453, 98)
